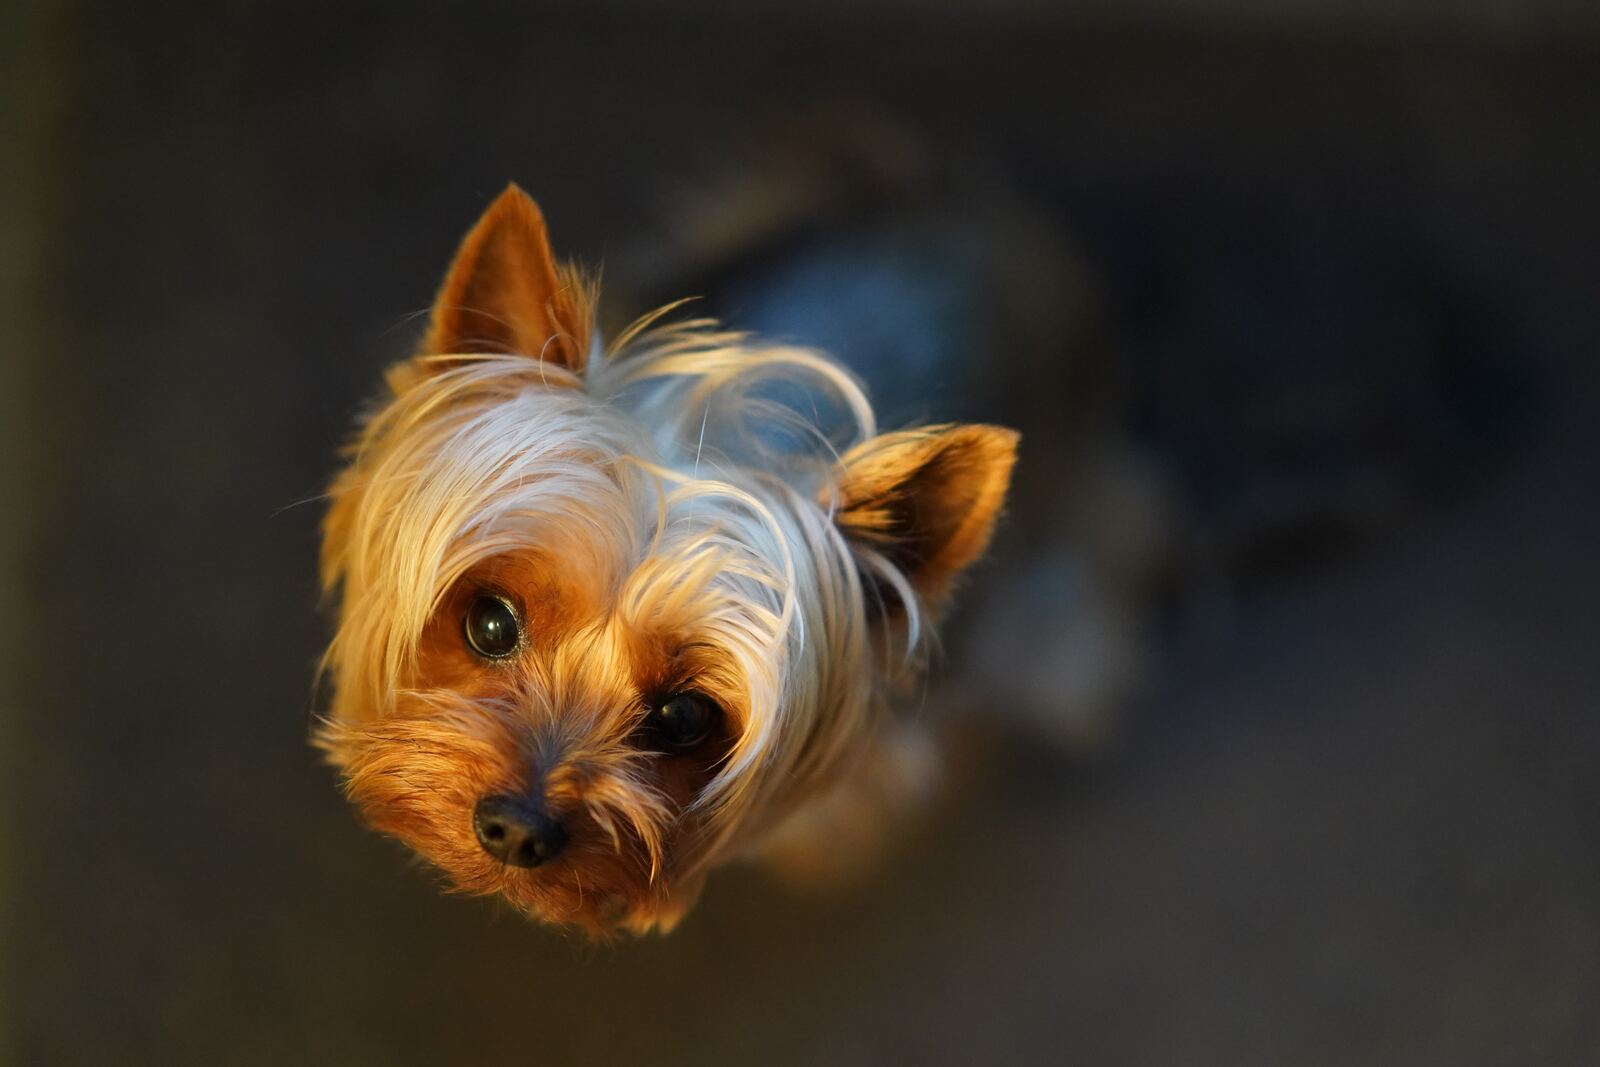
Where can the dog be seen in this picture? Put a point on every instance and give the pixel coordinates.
(609, 616)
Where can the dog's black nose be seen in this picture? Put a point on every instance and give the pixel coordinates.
(515, 831)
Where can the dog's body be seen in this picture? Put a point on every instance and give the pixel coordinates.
(607, 620)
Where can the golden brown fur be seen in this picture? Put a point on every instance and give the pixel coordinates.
(642, 561)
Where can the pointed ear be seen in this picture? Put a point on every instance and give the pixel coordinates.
(505, 292)
(926, 499)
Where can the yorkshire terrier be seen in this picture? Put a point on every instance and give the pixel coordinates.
(611, 616)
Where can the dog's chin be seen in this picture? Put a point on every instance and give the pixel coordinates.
(593, 886)
(593, 889)
(599, 911)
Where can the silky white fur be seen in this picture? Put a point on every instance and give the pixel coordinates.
(679, 472)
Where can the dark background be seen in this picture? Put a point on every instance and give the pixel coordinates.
(1353, 821)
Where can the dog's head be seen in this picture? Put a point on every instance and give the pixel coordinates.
(604, 621)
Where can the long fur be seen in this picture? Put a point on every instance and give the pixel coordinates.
(628, 472)
(685, 511)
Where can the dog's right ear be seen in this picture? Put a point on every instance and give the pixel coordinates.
(506, 294)
(925, 500)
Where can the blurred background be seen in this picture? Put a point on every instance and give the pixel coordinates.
(1273, 722)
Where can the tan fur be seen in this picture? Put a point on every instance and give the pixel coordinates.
(506, 293)
(652, 542)
(928, 498)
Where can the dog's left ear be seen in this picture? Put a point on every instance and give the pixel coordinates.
(926, 500)
(505, 293)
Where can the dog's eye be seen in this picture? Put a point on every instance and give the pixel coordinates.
(490, 627)
(684, 719)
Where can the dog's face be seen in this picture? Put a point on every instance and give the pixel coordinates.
(582, 656)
